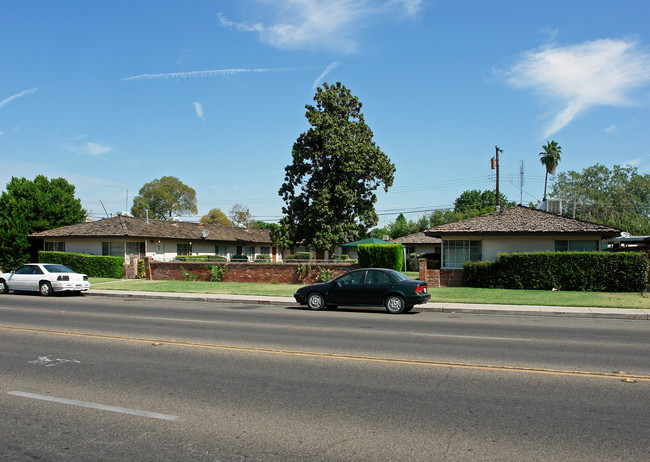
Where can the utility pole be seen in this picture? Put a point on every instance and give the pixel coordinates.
(495, 164)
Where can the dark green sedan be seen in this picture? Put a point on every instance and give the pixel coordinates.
(366, 286)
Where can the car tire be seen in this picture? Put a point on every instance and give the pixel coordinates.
(395, 304)
(408, 308)
(315, 301)
(3, 287)
(45, 288)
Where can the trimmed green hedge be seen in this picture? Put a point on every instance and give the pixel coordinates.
(389, 256)
(580, 271)
(299, 256)
(91, 265)
(199, 258)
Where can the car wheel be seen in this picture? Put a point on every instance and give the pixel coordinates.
(45, 288)
(315, 301)
(3, 287)
(408, 308)
(395, 304)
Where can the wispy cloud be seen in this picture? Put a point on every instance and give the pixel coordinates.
(322, 75)
(198, 107)
(89, 149)
(6, 101)
(200, 74)
(330, 24)
(579, 77)
(611, 128)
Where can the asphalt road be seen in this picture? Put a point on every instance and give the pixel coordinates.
(86, 378)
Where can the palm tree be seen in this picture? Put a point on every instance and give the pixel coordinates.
(550, 157)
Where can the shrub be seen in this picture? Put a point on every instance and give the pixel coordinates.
(200, 258)
(142, 273)
(302, 271)
(239, 258)
(381, 256)
(217, 272)
(188, 276)
(91, 265)
(263, 257)
(324, 274)
(578, 271)
(299, 256)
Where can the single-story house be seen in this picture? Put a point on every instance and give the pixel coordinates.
(350, 248)
(516, 229)
(160, 239)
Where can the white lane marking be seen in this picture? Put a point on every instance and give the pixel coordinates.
(103, 407)
(475, 337)
(47, 362)
(177, 319)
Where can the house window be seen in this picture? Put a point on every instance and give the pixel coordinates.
(249, 251)
(55, 246)
(184, 249)
(410, 250)
(576, 246)
(221, 250)
(134, 248)
(265, 250)
(113, 249)
(455, 253)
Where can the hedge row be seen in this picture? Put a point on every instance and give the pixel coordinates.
(92, 265)
(580, 271)
(200, 258)
(381, 256)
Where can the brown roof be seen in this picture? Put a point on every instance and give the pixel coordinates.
(417, 238)
(122, 226)
(522, 220)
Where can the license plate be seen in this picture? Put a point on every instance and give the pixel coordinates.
(78, 286)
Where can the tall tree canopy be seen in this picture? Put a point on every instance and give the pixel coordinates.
(32, 206)
(216, 217)
(241, 216)
(163, 198)
(329, 187)
(480, 201)
(619, 197)
(550, 157)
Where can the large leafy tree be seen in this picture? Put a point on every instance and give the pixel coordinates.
(619, 197)
(550, 157)
(241, 216)
(216, 217)
(28, 207)
(480, 201)
(164, 198)
(329, 187)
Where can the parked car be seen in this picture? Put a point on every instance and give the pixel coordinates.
(45, 278)
(376, 286)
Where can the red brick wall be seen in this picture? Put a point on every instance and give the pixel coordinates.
(440, 277)
(283, 273)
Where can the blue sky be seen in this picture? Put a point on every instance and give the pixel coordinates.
(113, 94)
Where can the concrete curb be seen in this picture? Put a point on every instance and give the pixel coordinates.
(521, 310)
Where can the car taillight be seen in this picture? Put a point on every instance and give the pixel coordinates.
(63, 278)
(421, 289)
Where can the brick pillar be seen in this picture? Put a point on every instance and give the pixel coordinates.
(147, 268)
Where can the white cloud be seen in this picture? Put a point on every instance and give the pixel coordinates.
(90, 149)
(6, 101)
(322, 75)
(198, 107)
(611, 128)
(579, 77)
(330, 24)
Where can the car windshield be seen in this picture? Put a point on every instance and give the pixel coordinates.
(57, 269)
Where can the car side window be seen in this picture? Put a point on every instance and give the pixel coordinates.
(36, 270)
(352, 278)
(24, 270)
(377, 277)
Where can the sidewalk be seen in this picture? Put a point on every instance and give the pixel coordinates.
(526, 310)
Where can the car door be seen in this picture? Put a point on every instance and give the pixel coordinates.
(34, 278)
(375, 286)
(19, 279)
(345, 290)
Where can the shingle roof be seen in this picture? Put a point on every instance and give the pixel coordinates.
(121, 226)
(417, 238)
(522, 220)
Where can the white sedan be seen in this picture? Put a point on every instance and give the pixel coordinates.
(45, 278)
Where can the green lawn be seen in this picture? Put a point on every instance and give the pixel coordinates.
(443, 294)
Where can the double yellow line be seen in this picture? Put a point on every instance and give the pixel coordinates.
(488, 367)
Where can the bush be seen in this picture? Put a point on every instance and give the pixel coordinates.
(324, 274)
(239, 258)
(91, 265)
(188, 276)
(299, 256)
(263, 258)
(302, 271)
(217, 272)
(142, 273)
(578, 271)
(381, 256)
(200, 258)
